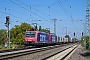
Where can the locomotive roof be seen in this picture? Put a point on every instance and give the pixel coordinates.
(36, 31)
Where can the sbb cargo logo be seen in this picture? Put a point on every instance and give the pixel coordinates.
(42, 37)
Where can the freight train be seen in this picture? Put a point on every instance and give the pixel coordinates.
(41, 38)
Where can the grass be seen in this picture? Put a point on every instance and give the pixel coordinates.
(88, 57)
(86, 53)
(2, 47)
(13, 46)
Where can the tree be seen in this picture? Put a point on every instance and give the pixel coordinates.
(40, 28)
(3, 36)
(18, 32)
(45, 30)
(67, 36)
(85, 44)
(36, 27)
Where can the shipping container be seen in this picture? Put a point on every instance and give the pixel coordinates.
(54, 38)
(50, 38)
(42, 37)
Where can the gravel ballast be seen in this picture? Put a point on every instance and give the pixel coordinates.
(39, 55)
(77, 55)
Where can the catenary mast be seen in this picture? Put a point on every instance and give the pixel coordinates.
(88, 19)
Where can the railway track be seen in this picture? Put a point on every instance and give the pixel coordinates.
(11, 50)
(13, 54)
(62, 54)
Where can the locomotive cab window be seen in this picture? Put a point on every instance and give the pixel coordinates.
(30, 34)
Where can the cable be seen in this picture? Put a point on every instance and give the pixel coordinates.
(14, 16)
(33, 8)
(63, 8)
(27, 10)
(49, 12)
(38, 10)
(66, 12)
(30, 13)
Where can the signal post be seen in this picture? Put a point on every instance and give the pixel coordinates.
(7, 25)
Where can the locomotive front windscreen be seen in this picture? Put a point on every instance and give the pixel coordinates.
(30, 34)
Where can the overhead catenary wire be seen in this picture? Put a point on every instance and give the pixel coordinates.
(21, 13)
(70, 16)
(14, 15)
(35, 9)
(25, 9)
(31, 13)
(49, 20)
(40, 11)
(28, 10)
(15, 12)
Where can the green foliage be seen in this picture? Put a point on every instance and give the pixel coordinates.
(36, 27)
(40, 28)
(18, 32)
(83, 40)
(45, 30)
(3, 35)
(67, 36)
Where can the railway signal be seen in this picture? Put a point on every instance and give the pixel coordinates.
(82, 33)
(7, 19)
(74, 33)
(7, 25)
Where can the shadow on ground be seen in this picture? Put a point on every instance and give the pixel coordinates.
(85, 54)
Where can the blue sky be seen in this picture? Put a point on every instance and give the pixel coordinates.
(70, 12)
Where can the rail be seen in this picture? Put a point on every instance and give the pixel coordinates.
(62, 54)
